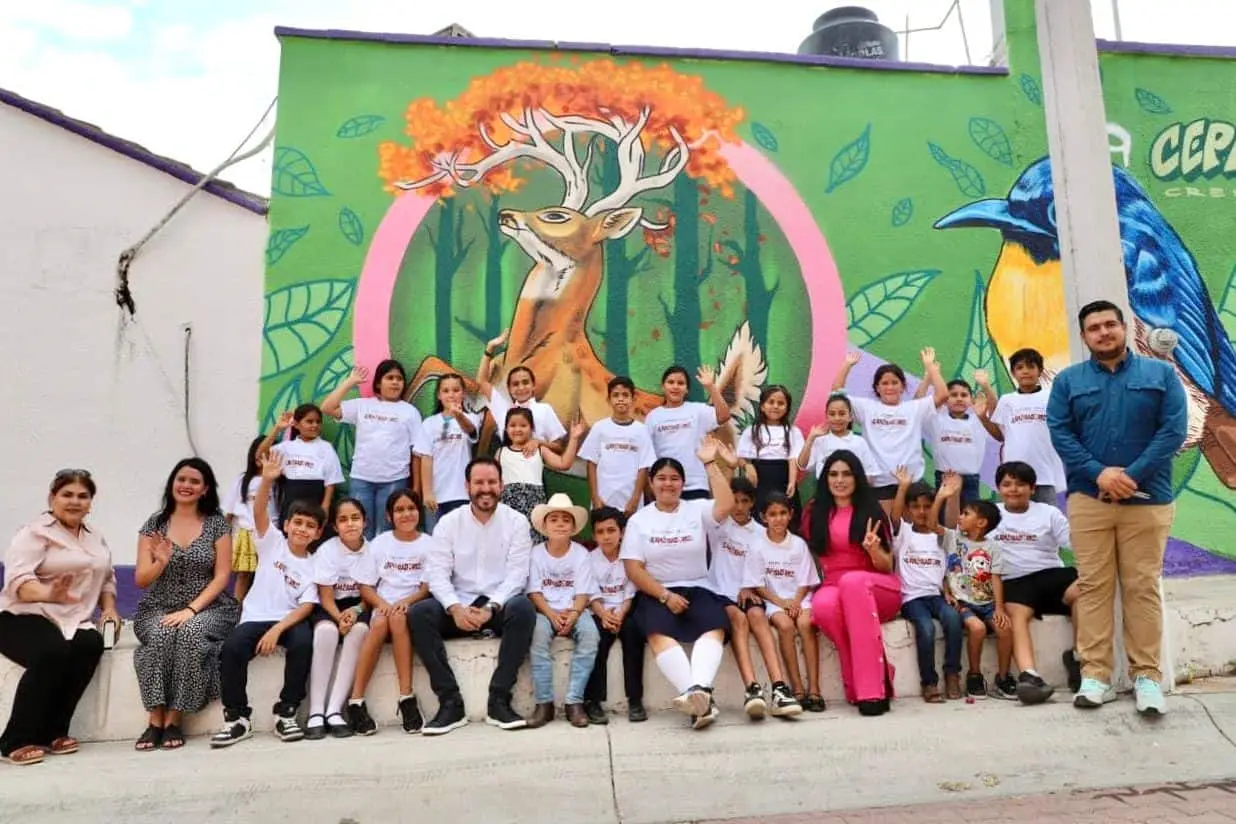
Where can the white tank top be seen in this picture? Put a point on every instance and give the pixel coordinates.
(517, 468)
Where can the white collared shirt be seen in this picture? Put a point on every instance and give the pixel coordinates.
(471, 558)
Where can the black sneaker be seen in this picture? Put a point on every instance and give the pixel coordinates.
(1032, 689)
(976, 686)
(450, 716)
(286, 728)
(1005, 687)
(235, 728)
(784, 704)
(410, 715)
(501, 715)
(699, 722)
(636, 712)
(360, 720)
(754, 704)
(596, 712)
(1073, 667)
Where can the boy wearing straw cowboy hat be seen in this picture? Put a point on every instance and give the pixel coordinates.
(560, 585)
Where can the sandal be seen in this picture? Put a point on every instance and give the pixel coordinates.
(151, 739)
(25, 756)
(64, 745)
(173, 737)
(932, 694)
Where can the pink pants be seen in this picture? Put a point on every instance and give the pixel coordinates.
(850, 613)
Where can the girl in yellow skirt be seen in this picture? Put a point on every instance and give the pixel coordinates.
(238, 507)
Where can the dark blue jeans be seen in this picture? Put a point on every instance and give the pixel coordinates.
(920, 613)
(969, 486)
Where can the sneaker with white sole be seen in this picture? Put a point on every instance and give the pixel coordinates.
(1150, 701)
(1004, 687)
(450, 716)
(754, 704)
(694, 701)
(784, 704)
(699, 722)
(1031, 689)
(1093, 693)
(286, 728)
(236, 728)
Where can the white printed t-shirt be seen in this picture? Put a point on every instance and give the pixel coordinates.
(921, 562)
(336, 566)
(672, 545)
(242, 510)
(281, 583)
(678, 432)
(442, 439)
(560, 580)
(825, 445)
(957, 444)
(895, 434)
(394, 567)
(314, 460)
(735, 562)
(618, 451)
(1030, 541)
(786, 566)
(613, 588)
(385, 432)
(1023, 419)
(772, 443)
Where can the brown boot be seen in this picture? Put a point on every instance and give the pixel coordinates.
(576, 714)
(542, 714)
(952, 686)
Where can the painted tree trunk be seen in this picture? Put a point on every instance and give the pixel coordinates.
(619, 269)
(689, 276)
(759, 295)
(446, 243)
(493, 271)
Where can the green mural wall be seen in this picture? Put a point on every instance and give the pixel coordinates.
(622, 212)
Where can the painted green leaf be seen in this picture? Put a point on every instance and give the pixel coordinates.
(300, 320)
(939, 155)
(979, 352)
(1151, 102)
(285, 400)
(294, 175)
(1031, 89)
(903, 211)
(878, 306)
(360, 125)
(990, 136)
(850, 160)
(764, 137)
(280, 241)
(336, 369)
(968, 179)
(1227, 306)
(351, 226)
(345, 443)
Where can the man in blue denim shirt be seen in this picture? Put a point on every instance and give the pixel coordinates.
(1117, 421)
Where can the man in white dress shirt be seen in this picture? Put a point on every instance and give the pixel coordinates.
(477, 573)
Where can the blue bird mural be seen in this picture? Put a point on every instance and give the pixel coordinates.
(1025, 298)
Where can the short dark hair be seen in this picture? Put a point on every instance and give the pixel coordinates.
(309, 509)
(919, 489)
(482, 460)
(1018, 471)
(742, 486)
(1095, 306)
(959, 382)
(617, 381)
(989, 512)
(672, 463)
(887, 369)
(608, 513)
(1031, 356)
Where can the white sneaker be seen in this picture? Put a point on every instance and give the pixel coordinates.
(235, 729)
(1150, 701)
(1093, 694)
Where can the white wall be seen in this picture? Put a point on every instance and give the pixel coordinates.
(84, 390)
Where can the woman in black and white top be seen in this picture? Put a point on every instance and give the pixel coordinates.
(665, 550)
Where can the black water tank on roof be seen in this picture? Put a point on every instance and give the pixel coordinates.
(851, 31)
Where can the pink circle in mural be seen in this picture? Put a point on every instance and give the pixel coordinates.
(371, 325)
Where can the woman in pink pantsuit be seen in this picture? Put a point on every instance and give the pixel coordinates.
(850, 534)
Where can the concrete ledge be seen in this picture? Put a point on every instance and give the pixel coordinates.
(111, 709)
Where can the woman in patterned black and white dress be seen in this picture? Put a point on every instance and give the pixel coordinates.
(184, 562)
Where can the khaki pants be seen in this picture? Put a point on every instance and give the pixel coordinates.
(1125, 543)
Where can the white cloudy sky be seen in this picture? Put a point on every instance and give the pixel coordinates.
(189, 78)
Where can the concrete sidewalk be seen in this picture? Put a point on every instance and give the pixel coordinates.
(968, 756)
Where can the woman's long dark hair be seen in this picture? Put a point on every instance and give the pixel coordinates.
(864, 502)
(252, 468)
(207, 505)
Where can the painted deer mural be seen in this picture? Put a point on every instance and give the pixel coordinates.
(566, 244)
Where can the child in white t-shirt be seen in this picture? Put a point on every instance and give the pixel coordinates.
(274, 614)
(617, 453)
(444, 446)
(611, 610)
(678, 427)
(920, 553)
(238, 507)
(892, 426)
(392, 580)
(957, 436)
(311, 468)
(523, 475)
(560, 586)
(825, 439)
(788, 577)
(521, 389)
(769, 447)
(386, 427)
(338, 568)
(1019, 421)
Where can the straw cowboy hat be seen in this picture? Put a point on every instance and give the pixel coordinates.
(559, 502)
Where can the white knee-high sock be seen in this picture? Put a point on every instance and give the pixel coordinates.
(706, 660)
(346, 671)
(676, 668)
(325, 642)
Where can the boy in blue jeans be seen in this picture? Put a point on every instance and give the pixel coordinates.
(921, 557)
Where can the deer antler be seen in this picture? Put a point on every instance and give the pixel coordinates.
(631, 165)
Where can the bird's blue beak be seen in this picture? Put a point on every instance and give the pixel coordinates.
(992, 213)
